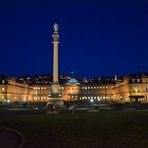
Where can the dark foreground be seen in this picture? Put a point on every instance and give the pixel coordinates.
(108, 129)
(10, 138)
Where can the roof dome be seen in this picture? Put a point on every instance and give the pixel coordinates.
(72, 81)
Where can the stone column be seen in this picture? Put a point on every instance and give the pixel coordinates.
(55, 53)
(55, 92)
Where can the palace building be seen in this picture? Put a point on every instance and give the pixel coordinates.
(126, 89)
(11, 90)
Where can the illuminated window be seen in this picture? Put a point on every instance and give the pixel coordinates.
(3, 89)
(138, 80)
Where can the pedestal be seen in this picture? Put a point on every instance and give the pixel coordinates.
(55, 95)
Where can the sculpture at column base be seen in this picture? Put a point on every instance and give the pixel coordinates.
(55, 95)
(57, 102)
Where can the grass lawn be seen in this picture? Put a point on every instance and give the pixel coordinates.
(110, 129)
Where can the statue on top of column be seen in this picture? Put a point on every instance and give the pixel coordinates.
(56, 27)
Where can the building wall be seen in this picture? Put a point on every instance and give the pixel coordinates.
(40, 93)
(96, 92)
(130, 87)
(15, 92)
(121, 91)
(71, 92)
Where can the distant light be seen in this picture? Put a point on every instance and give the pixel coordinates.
(8, 101)
(91, 100)
(72, 107)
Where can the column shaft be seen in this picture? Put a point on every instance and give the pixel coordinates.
(55, 62)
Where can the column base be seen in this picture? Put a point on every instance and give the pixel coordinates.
(55, 101)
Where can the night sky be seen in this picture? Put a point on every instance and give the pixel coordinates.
(97, 37)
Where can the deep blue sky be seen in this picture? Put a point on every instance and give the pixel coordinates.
(97, 37)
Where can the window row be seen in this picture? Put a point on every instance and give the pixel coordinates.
(98, 87)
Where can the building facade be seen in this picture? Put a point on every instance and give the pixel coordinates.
(13, 91)
(126, 89)
(132, 88)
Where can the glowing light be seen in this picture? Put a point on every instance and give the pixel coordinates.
(24, 100)
(91, 100)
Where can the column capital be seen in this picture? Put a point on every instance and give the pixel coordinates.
(55, 38)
